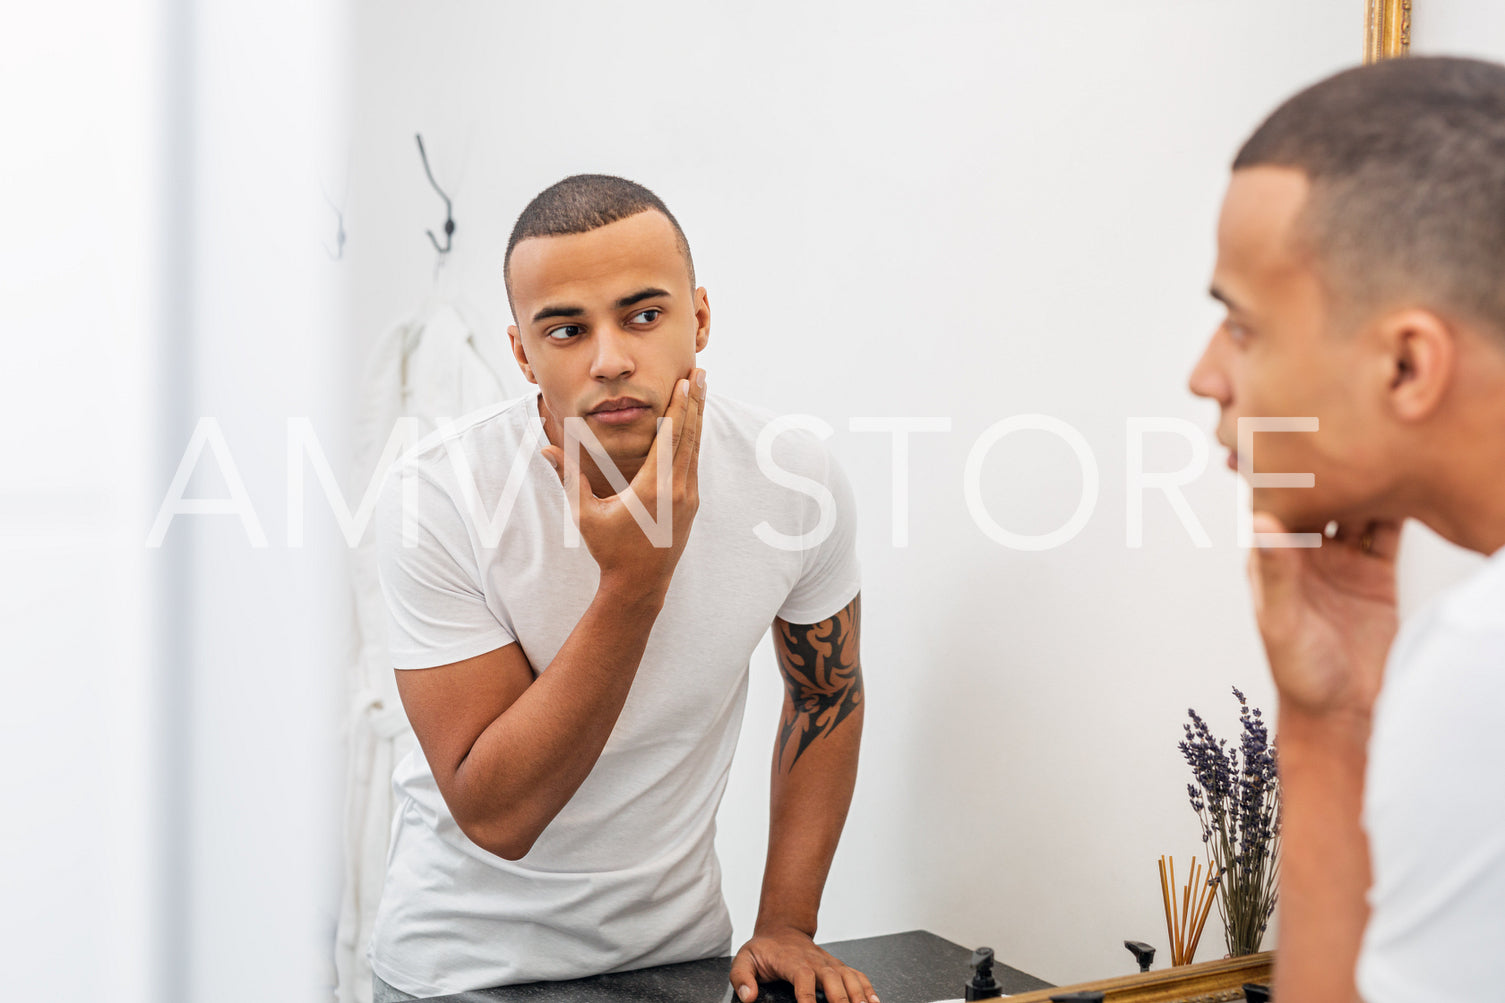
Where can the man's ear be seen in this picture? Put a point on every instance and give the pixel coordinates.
(1421, 350)
(517, 352)
(702, 319)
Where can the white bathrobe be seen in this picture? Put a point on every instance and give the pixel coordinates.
(432, 367)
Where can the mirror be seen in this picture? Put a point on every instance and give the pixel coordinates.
(990, 222)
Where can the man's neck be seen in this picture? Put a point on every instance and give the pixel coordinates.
(1472, 521)
(1464, 480)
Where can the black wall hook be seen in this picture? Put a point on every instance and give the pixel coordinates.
(449, 216)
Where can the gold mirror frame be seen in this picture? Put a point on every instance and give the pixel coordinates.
(1387, 29)
(1204, 982)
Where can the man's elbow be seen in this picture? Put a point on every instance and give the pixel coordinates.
(515, 849)
(501, 837)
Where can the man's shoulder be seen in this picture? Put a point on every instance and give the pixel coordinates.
(1477, 605)
(735, 415)
(491, 429)
(1452, 654)
(475, 445)
(755, 434)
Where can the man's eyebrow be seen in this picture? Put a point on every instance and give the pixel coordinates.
(558, 311)
(640, 295)
(576, 311)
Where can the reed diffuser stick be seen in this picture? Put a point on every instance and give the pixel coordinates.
(1185, 919)
(1176, 947)
(1212, 889)
(1187, 905)
(1165, 895)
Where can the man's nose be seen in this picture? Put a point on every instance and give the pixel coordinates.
(1207, 376)
(613, 357)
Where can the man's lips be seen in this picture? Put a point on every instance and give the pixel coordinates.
(619, 410)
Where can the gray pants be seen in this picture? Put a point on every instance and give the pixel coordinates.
(383, 993)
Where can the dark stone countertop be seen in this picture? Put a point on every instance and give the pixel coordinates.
(913, 967)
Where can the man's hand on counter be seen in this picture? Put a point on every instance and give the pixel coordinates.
(790, 954)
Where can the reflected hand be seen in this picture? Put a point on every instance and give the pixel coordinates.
(1327, 615)
(618, 544)
(790, 954)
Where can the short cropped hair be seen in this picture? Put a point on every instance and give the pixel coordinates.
(584, 202)
(1406, 160)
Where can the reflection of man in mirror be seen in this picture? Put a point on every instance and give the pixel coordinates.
(1361, 256)
(577, 694)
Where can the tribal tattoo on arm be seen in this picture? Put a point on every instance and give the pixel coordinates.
(823, 678)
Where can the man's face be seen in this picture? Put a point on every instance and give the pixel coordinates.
(1276, 355)
(607, 324)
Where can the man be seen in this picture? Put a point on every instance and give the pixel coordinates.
(1361, 258)
(577, 706)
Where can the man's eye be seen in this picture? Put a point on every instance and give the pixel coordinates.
(564, 332)
(646, 316)
(1236, 331)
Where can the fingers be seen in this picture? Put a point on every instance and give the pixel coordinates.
(1385, 539)
(839, 983)
(683, 420)
(830, 980)
(744, 977)
(809, 970)
(1270, 568)
(852, 985)
(804, 986)
(679, 413)
(1377, 538)
(576, 488)
(699, 383)
(1264, 522)
(687, 436)
(846, 985)
(658, 467)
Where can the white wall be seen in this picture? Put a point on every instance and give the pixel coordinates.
(967, 210)
(80, 107)
(266, 629)
(170, 804)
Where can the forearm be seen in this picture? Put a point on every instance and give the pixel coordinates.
(529, 762)
(808, 808)
(1325, 855)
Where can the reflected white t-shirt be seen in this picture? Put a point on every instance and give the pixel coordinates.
(1434, 805)
(626, 875)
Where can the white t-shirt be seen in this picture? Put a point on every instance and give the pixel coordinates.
(626, 875)
(1434, 805)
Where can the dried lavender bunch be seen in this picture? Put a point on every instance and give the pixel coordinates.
(1237, 800)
